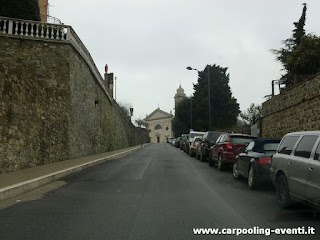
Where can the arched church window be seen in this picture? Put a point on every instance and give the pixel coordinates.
(158, 127)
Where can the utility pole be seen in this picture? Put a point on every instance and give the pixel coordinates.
(209, 97)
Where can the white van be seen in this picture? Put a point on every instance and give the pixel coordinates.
(192, 134)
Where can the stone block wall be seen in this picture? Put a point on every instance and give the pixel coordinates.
(52, 107)
(102, 123)
(295, 109)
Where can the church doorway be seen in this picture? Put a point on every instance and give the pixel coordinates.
(158, 139)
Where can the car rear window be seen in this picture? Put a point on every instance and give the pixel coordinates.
(287, 144)
(213, 136)
(184, 138)
(305, 146)
(240, 139)
(196, 134)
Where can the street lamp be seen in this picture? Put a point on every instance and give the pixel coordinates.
(191, 111)
(208, 75)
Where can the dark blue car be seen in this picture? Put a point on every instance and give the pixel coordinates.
(255, 161)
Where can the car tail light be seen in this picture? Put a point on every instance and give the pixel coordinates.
(229, 146)
(264, 160)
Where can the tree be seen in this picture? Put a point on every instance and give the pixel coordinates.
(300, 55)
(304, 60)
(252, 114)
(141, 123)
(290, 44)
(299, 31)
(181, 122)
(125, 108)
(26, 9)
(224, 107)
(143, 131)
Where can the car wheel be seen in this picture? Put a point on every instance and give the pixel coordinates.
(210, 161)
(190, 153)
(252, 179)
(220, 164)
(282, 190)
(235, 172)
(202, 158)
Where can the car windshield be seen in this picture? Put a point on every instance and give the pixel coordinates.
(270, 146)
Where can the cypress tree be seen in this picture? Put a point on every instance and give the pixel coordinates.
(299, 31)
(223, 106)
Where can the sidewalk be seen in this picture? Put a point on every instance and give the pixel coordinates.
(19, 182)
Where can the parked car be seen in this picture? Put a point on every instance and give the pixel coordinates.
(226, 148)
(255, 161)
(173, 142)
(295, 169)
(193, 146)
(208, 139)
(191, 135)
(177, 143)
(184, 138)
(169, 139)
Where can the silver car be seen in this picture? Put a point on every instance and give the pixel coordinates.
(295, 168)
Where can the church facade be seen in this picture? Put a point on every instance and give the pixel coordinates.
(159, 125)
(160, 122)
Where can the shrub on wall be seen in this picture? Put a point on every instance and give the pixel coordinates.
(26, 9)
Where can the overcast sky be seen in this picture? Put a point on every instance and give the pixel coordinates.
(148, 44)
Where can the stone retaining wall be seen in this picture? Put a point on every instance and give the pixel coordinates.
(52, 107)
(295, 109)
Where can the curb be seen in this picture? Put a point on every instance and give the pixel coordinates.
(26, 186)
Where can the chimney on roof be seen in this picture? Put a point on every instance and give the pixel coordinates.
(108, 77)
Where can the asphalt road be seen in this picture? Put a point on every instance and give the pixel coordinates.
(158, 192)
